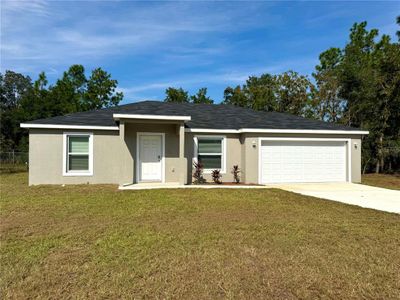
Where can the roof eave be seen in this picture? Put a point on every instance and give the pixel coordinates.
(65, 126)
(259, 130)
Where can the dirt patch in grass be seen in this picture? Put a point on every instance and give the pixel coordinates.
(388, 181)
(97, 242)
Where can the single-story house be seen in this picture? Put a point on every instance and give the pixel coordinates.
(154, 141)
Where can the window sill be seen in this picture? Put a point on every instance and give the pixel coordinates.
(78, 174)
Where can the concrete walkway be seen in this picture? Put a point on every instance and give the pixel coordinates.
(350, 193)
(176, 185)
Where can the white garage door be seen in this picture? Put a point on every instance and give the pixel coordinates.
(303, 161)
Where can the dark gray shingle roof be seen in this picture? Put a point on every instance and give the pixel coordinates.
(204, 116)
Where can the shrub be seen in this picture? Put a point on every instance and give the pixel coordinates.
(198, 173)
(216, 176)
(235, 172)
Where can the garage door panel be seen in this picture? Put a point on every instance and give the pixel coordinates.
(303, 161)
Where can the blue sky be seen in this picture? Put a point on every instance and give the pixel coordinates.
(148, 46)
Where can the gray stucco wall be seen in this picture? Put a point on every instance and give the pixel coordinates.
(243, 150)
(356, 159)
(172, 164)
(114, 155)
(233, 155)
(46, 158)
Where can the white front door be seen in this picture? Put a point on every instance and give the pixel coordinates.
(150, 157)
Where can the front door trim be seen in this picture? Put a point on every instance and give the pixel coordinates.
(138, 135)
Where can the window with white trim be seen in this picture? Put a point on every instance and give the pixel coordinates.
(78, 156)
(210, 151)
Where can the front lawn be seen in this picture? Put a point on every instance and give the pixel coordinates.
(387, 181)
(98, 242)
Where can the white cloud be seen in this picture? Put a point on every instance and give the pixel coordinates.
(38, 34)
(38, 7)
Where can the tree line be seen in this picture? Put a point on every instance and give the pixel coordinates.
(23, 100)
(357, 85)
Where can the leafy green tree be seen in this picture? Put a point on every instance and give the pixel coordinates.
(326, 103)
(261, 92)
(36, 104)
(235, 96)
(358, 74)
(386, 60)
(68, 94)
(288, 92)
(358, 85)
(74, 92)
(257, 93)
(13, 88)
(369, 75)
(293, 93)
(101, 91)
(176, 95)
(398, 23)
(201, 97)
(22, 100)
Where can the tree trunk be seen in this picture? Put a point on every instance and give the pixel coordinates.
(365, 166)
(377, 166)
(380, 160)
(382, 155)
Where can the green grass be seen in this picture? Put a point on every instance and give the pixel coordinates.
(382, 180)
(97, 242)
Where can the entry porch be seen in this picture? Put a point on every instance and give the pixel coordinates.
(154, 151)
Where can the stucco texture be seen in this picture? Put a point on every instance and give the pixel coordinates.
(172, 135)
(243, 150)
(46, 158)
(233, 155)
(114, 155)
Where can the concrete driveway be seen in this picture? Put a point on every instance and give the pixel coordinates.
(350, 193)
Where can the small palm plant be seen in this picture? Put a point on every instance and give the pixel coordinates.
(235, 172)
(216, 176)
